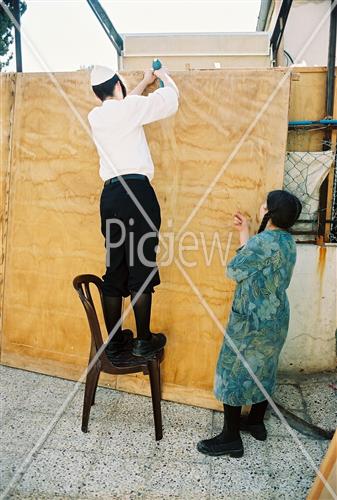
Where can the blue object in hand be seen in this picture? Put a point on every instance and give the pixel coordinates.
(156, 64)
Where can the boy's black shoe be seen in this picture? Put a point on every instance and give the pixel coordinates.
(122, 341)
(219, 446)
(258, 431)
(149, 347)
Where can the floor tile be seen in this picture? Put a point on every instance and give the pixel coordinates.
(181, 445)
(287, 455)
(233, 481)
(290, 485)
(178, 479)
(276, 427)
(114, 478)
(55, 473)
(289, 396)
(104, 400)
(67, 434)
(23, 429)
(182, 417)
(321, 404)
(11, 459)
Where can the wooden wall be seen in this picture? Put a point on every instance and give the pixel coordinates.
(53, 230)
(307, 102)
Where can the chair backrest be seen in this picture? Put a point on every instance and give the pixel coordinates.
(82, 284)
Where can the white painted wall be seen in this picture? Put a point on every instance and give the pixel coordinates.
(311, 344)
(304, 18)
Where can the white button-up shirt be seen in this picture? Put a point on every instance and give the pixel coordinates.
(117, 130)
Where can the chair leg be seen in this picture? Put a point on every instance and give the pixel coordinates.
(95, 389)
(89, 395)
(154, 373)
(159, 377)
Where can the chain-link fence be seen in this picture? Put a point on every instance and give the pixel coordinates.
(304, 174)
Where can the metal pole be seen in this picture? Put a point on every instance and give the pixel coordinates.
(330, 95)
(330, 89)
(110, 30)
(18, 51)
(280, 27)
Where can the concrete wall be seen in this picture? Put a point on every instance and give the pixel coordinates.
(311, 344)
(304, 18)
(185, 51)
(299, 40)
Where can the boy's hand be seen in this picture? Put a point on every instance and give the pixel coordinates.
(241, 222)
(161, 73)
(149, 77)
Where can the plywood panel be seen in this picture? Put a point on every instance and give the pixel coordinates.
(54, 229)
(7, 88)
(328, 469)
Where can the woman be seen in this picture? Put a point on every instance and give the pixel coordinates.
(130, 212)
(258, 323)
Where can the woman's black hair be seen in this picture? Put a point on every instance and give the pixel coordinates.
(105, 89)
(284, 209)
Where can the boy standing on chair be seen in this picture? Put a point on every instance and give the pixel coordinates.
(130, 212)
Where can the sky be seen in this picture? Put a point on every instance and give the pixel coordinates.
(64, 35)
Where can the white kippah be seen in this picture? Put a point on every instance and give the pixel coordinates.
(100, 74)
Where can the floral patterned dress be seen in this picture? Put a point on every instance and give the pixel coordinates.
(259, 319)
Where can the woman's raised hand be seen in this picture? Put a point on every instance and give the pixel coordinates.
(161, 73)
(242, 225)
(241, 222)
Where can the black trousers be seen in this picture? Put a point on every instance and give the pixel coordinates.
(130, 240)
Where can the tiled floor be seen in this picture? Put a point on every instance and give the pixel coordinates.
(119, 459)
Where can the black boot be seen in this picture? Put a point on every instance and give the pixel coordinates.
(147, 343)
(254, 422)
(121, 340)
(228, 442)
